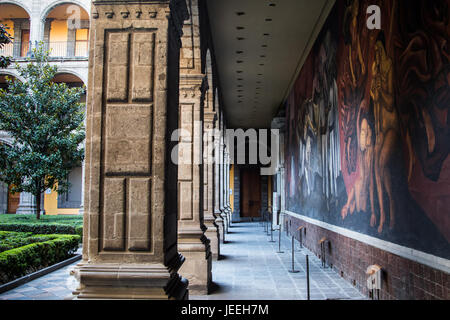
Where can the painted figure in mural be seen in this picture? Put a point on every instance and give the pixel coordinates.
(387, 131)
(307, 131)
(325, 97)
(355, 57)
(331, 164)
(353, 82)
(364, 188)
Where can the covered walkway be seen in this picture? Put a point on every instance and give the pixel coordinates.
(250, 269)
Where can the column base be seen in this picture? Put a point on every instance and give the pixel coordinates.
(197, 267)
(212, 233)
(26, 210)
(128, 282)
(219, 224)
(224, 216)
(229, 215)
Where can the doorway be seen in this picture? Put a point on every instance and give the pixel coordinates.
(13, 201)
(250, 193)
(25, 43)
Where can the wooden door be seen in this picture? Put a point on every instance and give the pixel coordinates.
(25, 43)
(250, 193)
(13, 201)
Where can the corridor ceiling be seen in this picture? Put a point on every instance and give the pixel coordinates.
(260, 46)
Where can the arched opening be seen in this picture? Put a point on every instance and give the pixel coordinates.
(3, 80)
(66, 31)
(70, 202)
(72, 81)
(9, 202)
(17, 22)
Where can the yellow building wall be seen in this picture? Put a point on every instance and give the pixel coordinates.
(10, 25)
(81, 34)
(232, 187)
(58, 37)
(51, 205)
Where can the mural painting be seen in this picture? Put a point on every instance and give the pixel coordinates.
(369, 125)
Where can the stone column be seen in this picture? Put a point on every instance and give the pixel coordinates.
(81, 210)
(222, 147)
(17, 42)
(217, 212)
(227, 187)
(212, 232)
(47, 27)
(71, 37)
(27, 204)
(35, 28)
(3, 198)
(192, 242)
(279, 124)
(130, 220)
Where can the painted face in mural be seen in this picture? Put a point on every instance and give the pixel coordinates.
(364, 135)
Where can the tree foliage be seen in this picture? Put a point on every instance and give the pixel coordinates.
(5, 38)
(46, 122)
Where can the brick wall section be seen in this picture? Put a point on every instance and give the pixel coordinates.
(402, 279)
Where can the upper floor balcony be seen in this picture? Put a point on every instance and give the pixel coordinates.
(63, 28)
(18, 50)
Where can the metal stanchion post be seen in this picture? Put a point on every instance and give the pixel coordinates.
(265, 222)
(307, 276)
(287, 229)
(279, 241)
(271, 234)
(293, 250)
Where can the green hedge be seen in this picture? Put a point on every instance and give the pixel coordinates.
(45, 225)
(12, 240)
(20, 261)
(36, 228)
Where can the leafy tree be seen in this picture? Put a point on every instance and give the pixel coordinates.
(46, 122)
(5, 38)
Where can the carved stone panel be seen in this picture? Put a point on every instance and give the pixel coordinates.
(114, 214)
(143, 68)
(139, 215)
(128, 140)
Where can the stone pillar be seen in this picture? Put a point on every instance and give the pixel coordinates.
(71, 37)
(222, 147)
(3, 198)
(192, 242)
(17, 42)
(81, 210)
(279, 124)
(217, 212)
(130, 220)
(27, 204)
(212, 233)
(227, 187)
(35, 28)
(47, 28)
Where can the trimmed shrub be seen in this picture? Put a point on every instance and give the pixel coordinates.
(41, 228)
(45, 225)
(20, 261)
(11, 240)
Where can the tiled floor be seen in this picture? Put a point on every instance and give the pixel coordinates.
(253, 270)
(250, 270)
(53, 286)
